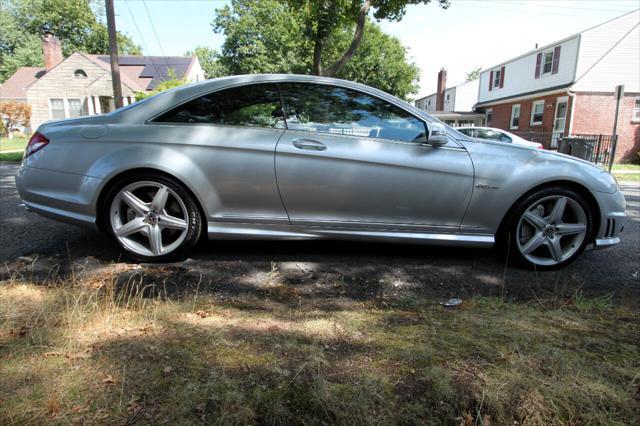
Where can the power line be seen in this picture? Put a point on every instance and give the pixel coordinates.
(153, 28)
(144, 43)
(498, 7)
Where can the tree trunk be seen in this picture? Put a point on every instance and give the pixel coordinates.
(355, 42)
(317, 53)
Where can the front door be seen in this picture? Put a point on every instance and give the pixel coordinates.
(349, 159)
(560, 120)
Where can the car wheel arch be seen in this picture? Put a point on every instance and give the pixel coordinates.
(568, 184)
(101, 219)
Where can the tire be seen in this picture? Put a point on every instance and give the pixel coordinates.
(152, 217)
(547, 229)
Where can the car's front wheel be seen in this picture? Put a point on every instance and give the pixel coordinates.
(549, 228)
(153, 217)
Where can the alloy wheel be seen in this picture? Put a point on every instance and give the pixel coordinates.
(149, 218)
(551, 230)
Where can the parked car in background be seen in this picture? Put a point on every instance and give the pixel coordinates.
(499, 135)
(304, 157)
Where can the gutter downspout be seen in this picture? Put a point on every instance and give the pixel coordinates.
(573, 109)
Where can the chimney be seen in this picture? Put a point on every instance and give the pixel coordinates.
(51, 50)
(442, 85)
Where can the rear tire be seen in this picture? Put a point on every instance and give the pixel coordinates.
(547, 229)
(152, 217)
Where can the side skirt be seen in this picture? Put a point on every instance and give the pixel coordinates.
(250, 231)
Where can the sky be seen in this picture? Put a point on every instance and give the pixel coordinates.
(469, 34)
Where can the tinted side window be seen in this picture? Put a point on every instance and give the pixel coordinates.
(329, 109)
(468, 132)
(254, 106)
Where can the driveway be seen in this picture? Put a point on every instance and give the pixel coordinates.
(437, 271)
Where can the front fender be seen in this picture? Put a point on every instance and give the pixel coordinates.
(504, 173)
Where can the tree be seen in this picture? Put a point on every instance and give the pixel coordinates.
(209, 61)
(14, 114)
(270, 36)
(74, 22)
(474, 74)
(325, 17)
(262, 36)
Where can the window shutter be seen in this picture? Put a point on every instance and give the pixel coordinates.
(538, 64)
(556, 60)
(491, 81)
(501, 77)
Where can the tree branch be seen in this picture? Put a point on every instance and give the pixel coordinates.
(355, 42)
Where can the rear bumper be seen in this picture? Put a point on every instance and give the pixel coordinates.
(67, 197)
(612, 218)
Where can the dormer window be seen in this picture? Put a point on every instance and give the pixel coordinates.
(496, 78)
(79, 74)
(548, 62)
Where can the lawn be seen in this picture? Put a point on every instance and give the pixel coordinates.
(635, 167)
(12, 144)
(125, 343)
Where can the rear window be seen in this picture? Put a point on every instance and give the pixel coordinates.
(253, 106)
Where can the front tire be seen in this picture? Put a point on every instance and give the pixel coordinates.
(152, 217)
(548, 228)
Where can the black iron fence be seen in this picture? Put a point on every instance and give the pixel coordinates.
(598, 149)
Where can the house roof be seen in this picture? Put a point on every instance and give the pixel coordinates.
(14, 87)
(146, 72)
(139, 73)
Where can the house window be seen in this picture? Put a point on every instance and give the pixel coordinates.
(75, 107)
(547, 65)
(429, 103)
(488, 116)
(537, 112)
(636, 111)
(79, 74)
(447, 97)
(57, 109)
(515, 116)
(66, 108)
(496, 78)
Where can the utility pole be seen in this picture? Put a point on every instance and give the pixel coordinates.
(618, 95)
(113, 54)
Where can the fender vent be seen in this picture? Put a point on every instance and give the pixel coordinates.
(610, 229)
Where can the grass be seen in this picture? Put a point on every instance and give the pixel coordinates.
(12, 157)
(127, 343)
(625, 167)
(12, 144)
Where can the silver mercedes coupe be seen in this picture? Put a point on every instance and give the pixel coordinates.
(301, 157)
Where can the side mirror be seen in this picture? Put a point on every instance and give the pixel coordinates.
(437, 134)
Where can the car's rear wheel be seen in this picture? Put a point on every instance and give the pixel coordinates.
(153, 217)
(549, 228)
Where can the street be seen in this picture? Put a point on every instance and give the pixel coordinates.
(433, 271)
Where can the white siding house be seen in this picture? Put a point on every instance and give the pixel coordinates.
(567, 87)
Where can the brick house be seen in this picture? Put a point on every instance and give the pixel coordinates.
(81, 83)
(453, 105)
(567, 87)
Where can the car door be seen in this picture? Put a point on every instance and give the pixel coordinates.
(354, 160)
(232, 134)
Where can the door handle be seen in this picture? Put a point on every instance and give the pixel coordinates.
(309, 144)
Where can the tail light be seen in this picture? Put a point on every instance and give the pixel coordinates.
(36, 143)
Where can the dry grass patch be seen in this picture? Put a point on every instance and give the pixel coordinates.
(159, 345)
